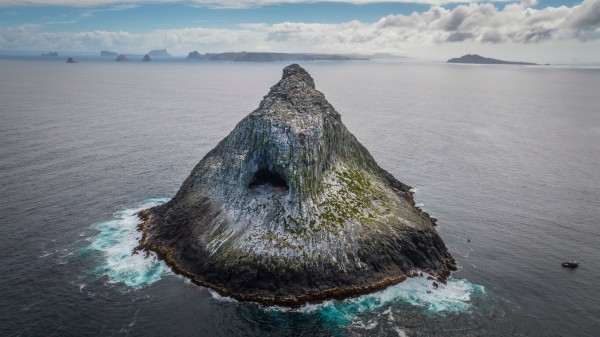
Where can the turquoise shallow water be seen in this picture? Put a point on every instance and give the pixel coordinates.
(504, 157)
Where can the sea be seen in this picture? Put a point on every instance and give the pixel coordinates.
(507, 158)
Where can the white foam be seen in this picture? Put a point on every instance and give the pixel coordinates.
(359, 324)
(400, 332)
(218, 297)
(455, 296)
(116, 242)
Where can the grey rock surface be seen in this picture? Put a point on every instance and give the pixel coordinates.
(290, 208)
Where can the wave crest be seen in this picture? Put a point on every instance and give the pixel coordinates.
(116, 241)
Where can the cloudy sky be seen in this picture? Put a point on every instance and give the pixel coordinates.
(555, 31)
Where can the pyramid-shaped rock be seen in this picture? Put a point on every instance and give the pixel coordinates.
(290, 208)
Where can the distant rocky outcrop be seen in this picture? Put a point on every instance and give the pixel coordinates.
(71, 60)
(376, 56)
(159, 53)
(268, 57)
(290, 208)
(121, 58)
(51, 54)
(385, 55)
(146, 58)
(476, 59)
(195, 55)
(105, 53)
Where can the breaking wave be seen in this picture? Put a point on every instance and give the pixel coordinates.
(116, 241)
(417, 291)
(381, 307)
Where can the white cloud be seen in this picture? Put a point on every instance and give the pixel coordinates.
(478, 25)
(516, 23)
(586, 16)
(30, 37)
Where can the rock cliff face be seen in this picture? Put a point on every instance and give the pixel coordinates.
(290, 208)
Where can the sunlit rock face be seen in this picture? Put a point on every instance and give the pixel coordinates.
(290, 208)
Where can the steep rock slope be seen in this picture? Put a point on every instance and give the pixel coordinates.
(290, 208)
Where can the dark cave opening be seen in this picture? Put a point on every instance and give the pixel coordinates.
(268, 178)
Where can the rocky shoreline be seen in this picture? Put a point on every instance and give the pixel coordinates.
(166, 255)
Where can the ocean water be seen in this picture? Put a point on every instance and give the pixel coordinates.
(505, 157)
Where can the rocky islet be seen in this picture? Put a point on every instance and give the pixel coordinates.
(290, 208)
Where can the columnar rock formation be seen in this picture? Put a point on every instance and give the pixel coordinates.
(290, 208)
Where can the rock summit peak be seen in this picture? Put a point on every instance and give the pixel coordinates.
(296, 73)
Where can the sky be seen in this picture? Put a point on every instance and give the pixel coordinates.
(552, 31)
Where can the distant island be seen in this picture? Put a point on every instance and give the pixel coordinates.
(159, 53)
(106, 53)
(51, 54)
(146, 58)
(268, 57)
(476, 59)
(121, 58)
(377, 56)
(71, 60)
